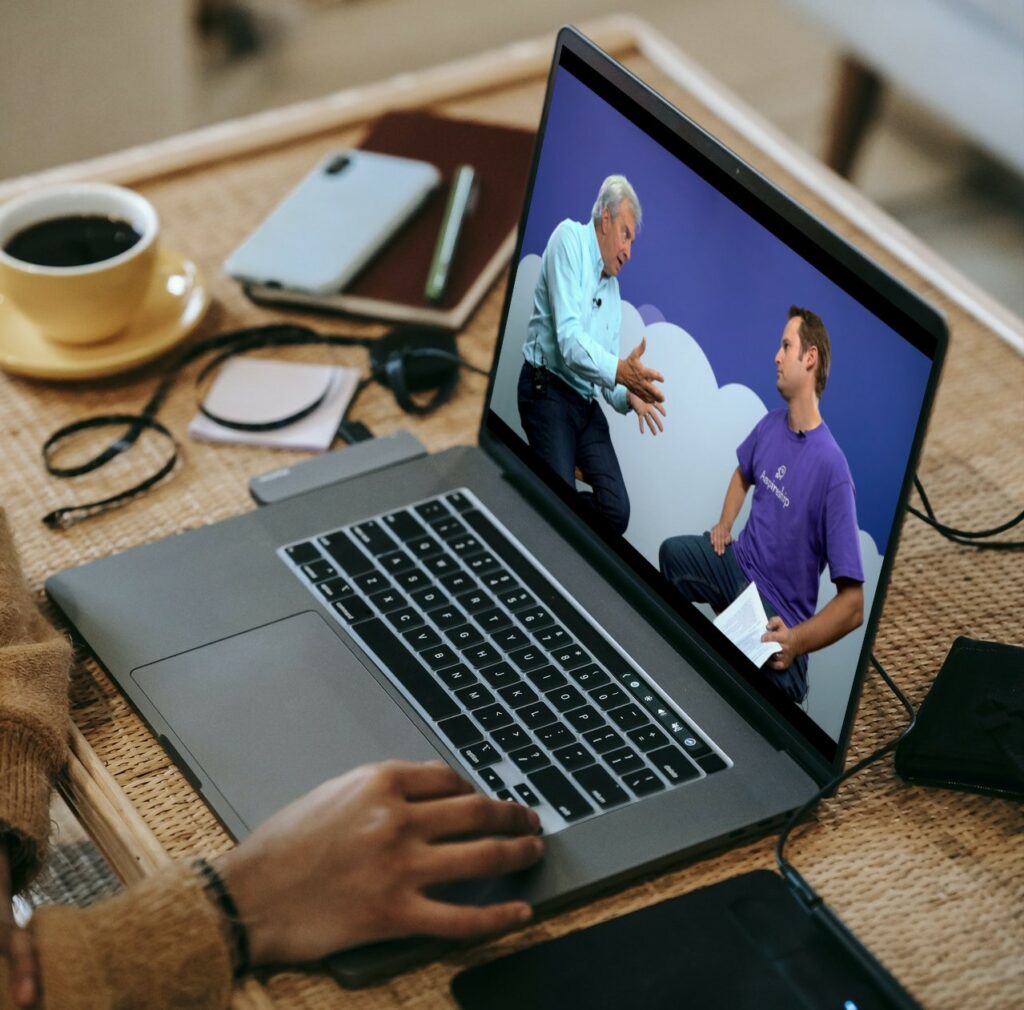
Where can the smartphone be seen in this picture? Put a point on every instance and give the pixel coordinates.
(327, 228)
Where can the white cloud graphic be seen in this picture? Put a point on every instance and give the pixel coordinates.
(677, 479)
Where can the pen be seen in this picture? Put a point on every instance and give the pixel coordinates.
(459, 198)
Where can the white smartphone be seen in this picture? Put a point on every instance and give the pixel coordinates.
(327, 228)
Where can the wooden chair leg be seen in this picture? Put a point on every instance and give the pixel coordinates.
(858, 92)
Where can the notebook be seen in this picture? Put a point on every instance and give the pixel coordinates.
(480, 606)
(391, 287)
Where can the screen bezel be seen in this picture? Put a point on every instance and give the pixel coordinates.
(878, 291)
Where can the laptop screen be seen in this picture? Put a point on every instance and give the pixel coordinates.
(762, 495)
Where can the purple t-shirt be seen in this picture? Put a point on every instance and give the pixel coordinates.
(803, 515)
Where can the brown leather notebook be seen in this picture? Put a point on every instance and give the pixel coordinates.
(391, 287)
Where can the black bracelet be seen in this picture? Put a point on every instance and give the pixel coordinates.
(214, 885)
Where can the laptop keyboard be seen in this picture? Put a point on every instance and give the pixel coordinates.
(539, 704)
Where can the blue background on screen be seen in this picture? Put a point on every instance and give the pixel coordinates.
(711, 269)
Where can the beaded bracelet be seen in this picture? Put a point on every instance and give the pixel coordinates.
(214, 885)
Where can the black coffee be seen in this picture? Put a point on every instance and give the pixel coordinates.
(72, 241)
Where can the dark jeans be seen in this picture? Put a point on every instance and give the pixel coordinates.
(567, 430)
(702, 576)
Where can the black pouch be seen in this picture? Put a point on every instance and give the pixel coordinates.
(970, 728)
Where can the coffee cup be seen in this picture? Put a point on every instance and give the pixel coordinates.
(77, 259)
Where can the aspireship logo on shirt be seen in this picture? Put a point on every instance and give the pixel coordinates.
(779, 492)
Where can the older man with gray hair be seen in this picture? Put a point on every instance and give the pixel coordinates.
(572, 352)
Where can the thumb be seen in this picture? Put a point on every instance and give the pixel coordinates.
(641, 347)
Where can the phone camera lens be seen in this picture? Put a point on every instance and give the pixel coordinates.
(339, 164)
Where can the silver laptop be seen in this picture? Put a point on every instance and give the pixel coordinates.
(484, 606)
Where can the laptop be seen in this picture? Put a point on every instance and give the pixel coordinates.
(473, 605)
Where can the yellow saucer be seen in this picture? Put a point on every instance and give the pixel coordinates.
(175, 303)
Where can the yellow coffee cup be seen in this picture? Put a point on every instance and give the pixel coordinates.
(82, 300)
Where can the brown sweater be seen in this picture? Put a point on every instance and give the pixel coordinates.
(157, 945)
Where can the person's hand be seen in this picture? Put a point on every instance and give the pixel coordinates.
(721, 537)
(348, 863)
(647, 412)
(638, 379)
(16, 943)
(778, 632)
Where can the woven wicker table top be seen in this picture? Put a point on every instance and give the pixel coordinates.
(931, 880)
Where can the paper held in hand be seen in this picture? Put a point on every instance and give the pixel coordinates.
(743, 622)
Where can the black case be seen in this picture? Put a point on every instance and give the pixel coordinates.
(970, 728)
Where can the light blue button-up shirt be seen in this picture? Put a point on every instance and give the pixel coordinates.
(569, 333)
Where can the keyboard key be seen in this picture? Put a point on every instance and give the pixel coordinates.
(479, 755)
(623, 760)
(569, 656)
(475, 601)
(554, 736)
(534, 618)
(481, 563)
(475, 696)
(648, 737)
(565, 698)
(672, 763)
(462, 636)
(372, 537)
(560, 793)
(404, 617)
(600, 786)
(547, 678)
(412, 580)
(403, 525)
(446, 617)
(464, 544)
(406, 669)
(353, 608)
(530, 658)
(333, 589)
(492, 778)
(584, 718)
(458, 582)
(499, 580)
(423, 547)
(449, 528)
(529, 758)
(711, 763)
(492, 620)
(516, 599)
(317, 571)
(460, 730)
(372, 582)
(628, 717)
(303, 554)
(510, 638)
(691, 743)
(505, 796)
(482, 655)
(511, 737)
(603, 739)
(643, 782)
(431, 511)
(440, 564)
(500, 675)
(553, 638)
(536, 715)
(574, 756)
(395, 561)
(421, 638)
(351, 559)
(518, 694)
(388, 599)
(456, 676)
(429, 598)
(458, 501)
(527, 795)
(439, 657)
(493, 717)
(590, 676)
(611, 697)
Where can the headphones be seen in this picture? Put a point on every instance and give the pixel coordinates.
(406, 360)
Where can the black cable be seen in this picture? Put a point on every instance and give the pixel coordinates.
(966, 537)
(785, 867)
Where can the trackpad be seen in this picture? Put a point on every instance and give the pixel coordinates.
(266, 715)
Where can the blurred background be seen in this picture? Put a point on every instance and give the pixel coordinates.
(920, 102)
